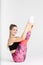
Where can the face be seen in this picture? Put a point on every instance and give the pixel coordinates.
(14, 30)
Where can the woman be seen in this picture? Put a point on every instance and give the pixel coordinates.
(18, 45)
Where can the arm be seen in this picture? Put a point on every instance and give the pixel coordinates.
(23, 36)
(27, 28)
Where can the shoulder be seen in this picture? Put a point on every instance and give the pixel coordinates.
(18, 39)
(9, 42)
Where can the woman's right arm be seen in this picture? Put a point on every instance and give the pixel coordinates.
(27, 28)
(23, 36)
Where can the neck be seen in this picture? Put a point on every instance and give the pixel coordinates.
(11, 36)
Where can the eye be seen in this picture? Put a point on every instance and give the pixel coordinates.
(16, 30)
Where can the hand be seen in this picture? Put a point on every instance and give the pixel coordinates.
(32, 26)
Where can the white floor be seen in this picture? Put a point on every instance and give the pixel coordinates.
(31, 62)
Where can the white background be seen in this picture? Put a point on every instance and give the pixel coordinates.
(0, 30)
(18, 12)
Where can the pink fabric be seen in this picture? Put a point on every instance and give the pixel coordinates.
(20, 53)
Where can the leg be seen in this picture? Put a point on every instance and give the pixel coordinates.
(20, 54)
(28, 35)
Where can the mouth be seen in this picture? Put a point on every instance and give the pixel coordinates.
(15, 32)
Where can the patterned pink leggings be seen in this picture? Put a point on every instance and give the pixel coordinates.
(20, 53)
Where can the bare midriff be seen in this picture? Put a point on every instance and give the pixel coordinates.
(13, 51)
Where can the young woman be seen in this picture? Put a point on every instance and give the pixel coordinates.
(18, 45)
